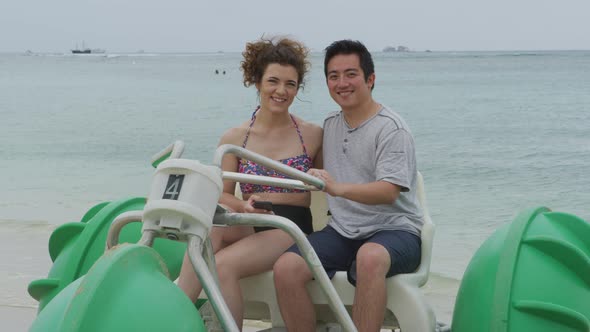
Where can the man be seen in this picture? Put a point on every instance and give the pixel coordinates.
(370, 175)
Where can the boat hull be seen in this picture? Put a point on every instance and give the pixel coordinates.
(128, 289)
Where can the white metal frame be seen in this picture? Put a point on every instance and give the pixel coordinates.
(406, 304)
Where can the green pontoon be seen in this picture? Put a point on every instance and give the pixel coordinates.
(531, 275)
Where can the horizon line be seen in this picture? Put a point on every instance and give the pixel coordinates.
(141, 51)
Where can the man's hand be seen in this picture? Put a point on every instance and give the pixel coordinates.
(331, 187)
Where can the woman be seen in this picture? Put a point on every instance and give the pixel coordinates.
(277, 69)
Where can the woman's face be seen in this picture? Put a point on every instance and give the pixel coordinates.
(278, 87)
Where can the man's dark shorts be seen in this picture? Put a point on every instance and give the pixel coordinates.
(338, 253)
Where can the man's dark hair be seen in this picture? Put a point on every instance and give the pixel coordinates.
(346, 47)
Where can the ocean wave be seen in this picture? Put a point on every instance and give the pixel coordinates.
(24, 306)
(441, 278)
(518, 54)
(24, 222)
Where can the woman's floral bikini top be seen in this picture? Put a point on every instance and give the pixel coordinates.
(301, 162)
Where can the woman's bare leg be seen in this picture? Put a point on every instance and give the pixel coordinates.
(221, 237)
(250, 256)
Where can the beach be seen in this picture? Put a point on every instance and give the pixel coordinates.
(26, 260)
(495, 133)
(29, 260)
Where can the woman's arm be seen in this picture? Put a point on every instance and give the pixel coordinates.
(313, 135)
(230, 163)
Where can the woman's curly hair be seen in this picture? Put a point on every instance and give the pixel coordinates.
(284, 51)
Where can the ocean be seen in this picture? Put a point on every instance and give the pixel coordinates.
(495, 132)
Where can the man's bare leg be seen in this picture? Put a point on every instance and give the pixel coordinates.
(370, 298)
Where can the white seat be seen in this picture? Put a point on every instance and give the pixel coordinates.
(406, 305)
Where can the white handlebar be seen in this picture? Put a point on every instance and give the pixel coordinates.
(172, 151)
(269, 163)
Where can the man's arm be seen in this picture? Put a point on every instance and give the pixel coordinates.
(373, 193)
(379, 192)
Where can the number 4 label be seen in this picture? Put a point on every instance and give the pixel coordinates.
(173, 186)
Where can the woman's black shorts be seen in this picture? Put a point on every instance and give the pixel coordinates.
(301, 216)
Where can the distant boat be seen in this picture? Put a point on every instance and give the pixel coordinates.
(86, 50)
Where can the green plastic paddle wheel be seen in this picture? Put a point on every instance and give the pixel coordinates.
(75, 247)
(128, 289)
(530, 275)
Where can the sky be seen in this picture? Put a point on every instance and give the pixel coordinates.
(226, 25)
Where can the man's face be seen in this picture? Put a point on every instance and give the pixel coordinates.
(346, 81)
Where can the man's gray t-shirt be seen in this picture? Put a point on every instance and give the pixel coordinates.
(380, 149)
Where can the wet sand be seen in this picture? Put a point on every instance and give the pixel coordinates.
(25, 258)
(19, 319)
